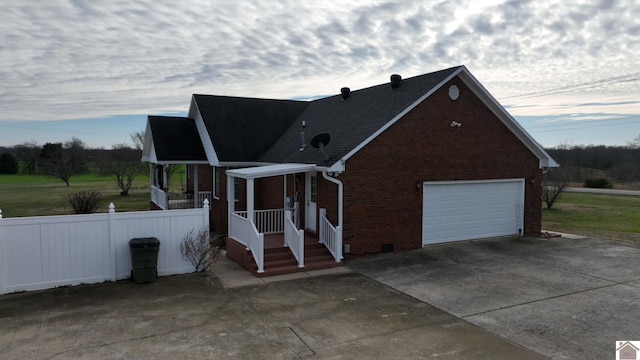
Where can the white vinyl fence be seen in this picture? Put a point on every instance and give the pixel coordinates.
(50, 251)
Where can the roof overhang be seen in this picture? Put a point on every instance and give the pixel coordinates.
(270, 170)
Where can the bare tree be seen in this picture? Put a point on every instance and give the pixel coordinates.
(554, 182)
(63, 160)
(635, 143)
(123, 163)
(138, 139)
(28, 152)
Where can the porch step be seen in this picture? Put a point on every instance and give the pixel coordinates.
(280, 260)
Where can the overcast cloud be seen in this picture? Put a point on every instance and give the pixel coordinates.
(74, 59)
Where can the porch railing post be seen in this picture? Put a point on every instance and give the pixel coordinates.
(321, 233)
(300, 248)
(338, 243)
(260, 253)
(287, 216)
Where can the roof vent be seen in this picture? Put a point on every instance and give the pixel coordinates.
(345, 91)
(395, 81)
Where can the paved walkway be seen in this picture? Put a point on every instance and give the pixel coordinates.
(198, 316)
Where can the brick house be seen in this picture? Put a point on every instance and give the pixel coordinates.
(411, 162)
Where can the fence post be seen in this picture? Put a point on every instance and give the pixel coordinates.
(113, 269)
(205, 211)
(2, 272)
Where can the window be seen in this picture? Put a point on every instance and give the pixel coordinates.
(216, 183)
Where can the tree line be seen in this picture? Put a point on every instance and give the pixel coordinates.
(63, 160)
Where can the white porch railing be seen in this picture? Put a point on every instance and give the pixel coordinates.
(269, 221)
(294, 238)
(244, 231)
(330, 236)
(159, 197)
(203, 195)
(185, 201)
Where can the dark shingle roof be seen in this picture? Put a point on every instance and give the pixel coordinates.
(176, 139)
(349, 122)
(242, 129)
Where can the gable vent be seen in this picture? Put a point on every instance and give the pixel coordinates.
(395, 81)
(345, 91)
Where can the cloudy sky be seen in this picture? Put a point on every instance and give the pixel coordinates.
(568, 71)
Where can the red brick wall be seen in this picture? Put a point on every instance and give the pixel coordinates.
(381, 202)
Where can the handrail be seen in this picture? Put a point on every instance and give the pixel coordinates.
(244, 231)
(330, 236)
(294, 238)
(159, 197)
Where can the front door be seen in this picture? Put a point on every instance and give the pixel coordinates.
(311, 188)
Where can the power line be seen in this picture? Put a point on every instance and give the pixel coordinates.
(575, 87)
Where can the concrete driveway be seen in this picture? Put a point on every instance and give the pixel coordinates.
(564, 298)
(340, 316)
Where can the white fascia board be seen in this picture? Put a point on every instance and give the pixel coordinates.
(479, 90)
(237, 164)
(343, 160)
(270, 170)
(207, 144)
(147, 147)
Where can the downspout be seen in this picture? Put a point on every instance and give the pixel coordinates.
(339, 237)
(340, 194)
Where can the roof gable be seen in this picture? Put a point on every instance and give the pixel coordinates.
(173, 140)
(242, 129)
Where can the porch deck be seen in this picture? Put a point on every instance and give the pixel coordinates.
(278, 259)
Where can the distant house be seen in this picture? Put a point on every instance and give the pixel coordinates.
(627, 351)
(411, 162)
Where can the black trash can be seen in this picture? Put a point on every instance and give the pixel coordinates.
(144, 259)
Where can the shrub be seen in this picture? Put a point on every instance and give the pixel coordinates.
(196, 249)
(84, 202)
(600, 183)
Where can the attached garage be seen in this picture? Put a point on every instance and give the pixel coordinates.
(464, 210)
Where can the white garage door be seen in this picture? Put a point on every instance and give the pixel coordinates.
(463, 210)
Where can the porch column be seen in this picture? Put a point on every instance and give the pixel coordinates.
(231, 201)
(250, 201)
(195, 187)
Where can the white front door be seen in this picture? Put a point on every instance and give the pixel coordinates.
(311, 211)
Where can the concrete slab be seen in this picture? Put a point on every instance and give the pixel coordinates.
(565, 298)
(578, 326)
(194, 317)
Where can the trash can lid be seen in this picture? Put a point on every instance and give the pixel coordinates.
(144, 242)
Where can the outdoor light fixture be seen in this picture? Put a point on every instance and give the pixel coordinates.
(418, 185)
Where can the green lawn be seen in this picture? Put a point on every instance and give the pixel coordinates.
(601, 216)
(38, 195)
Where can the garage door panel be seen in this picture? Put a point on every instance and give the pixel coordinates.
(468, 210)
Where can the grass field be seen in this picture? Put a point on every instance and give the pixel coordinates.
(600, 216)
(38, 195)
